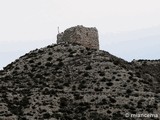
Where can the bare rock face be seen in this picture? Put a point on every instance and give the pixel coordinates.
(87, 37)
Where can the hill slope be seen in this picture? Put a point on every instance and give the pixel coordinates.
(69, 81)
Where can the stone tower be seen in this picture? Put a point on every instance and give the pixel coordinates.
(85, 36)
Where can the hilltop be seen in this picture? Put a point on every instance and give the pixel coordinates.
(74, 80)
(69, 81)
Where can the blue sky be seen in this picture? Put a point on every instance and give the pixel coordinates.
(125, 26)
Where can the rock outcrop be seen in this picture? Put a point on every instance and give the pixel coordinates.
(87, 37)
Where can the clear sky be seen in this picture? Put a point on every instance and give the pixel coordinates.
(29, 24)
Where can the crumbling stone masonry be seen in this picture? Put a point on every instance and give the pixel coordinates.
(85, 36)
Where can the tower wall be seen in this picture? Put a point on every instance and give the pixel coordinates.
(85, 36)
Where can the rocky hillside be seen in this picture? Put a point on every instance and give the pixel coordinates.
(71, 82)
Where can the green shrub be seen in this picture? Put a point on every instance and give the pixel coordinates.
(89, 67)
(49, 59)
(48, 64)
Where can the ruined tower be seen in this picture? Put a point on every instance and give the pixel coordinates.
(85, 36)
